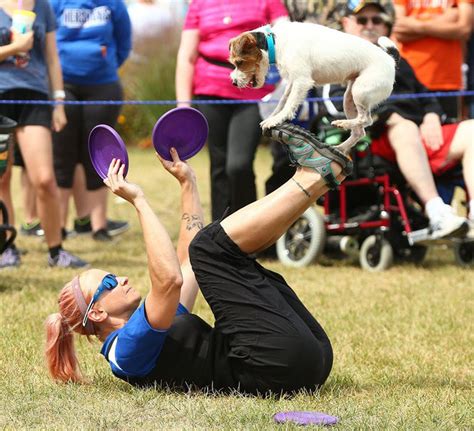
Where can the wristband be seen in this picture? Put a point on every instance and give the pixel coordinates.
(59, 94)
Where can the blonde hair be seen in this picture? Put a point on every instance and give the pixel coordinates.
(60, 351)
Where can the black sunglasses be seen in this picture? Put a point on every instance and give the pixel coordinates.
(376, 20)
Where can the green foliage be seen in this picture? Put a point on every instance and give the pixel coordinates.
(149, 74)
(402, 339)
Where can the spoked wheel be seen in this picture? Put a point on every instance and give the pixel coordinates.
(376, 254)
(464, 253)
(304, 241)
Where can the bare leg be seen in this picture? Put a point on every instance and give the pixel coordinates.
(93, 203)
(5, 190)
(462, 148)
(98, 203)
(36, 148)
(64, 196)
(412, 160)
(29, 198)
(261, 223)
(79, 192)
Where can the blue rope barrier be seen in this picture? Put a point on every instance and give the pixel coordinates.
(222, 101)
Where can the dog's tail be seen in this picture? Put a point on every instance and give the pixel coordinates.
(389, 47)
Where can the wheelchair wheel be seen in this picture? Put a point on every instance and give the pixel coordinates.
(464, 253)
(304, 241)
(375, 254)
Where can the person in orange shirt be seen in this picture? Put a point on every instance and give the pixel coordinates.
(432, 34)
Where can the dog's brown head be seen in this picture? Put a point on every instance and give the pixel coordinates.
(251, 65)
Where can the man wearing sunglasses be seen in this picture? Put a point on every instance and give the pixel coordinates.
(409, 132)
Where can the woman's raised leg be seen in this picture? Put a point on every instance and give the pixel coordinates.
(261, 223)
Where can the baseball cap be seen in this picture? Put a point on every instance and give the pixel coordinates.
(385, 6)
(355, 6)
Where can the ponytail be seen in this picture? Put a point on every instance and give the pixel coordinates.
(60, 352)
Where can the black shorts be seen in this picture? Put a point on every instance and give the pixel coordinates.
(275, 344)
(27, 114)
(70, 146)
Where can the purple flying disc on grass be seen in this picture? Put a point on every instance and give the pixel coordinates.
(305, 418)
(106, 144)
(183, 128)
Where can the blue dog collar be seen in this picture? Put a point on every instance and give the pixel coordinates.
(270, 38)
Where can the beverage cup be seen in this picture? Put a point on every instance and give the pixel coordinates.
(22, 20)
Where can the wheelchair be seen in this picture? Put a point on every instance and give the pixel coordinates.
(7, 231)
(373, 216)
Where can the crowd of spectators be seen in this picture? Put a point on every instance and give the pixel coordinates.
(76, 47)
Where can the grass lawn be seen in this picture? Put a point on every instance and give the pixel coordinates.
(403, 339)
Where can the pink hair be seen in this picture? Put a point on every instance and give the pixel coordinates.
(60, 351)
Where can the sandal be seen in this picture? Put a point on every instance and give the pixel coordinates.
(301, 144)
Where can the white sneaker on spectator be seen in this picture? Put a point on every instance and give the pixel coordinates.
(448, 225)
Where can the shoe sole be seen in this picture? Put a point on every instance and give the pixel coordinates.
(36, 234)
(118, 231)
(112, 232)
(459, 232)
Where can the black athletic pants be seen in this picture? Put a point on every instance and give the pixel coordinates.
(274, 342)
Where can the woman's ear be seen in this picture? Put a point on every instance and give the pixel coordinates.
(97, 315)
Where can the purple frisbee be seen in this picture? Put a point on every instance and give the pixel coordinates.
(305, 418)
(183, 128)
(106, 144)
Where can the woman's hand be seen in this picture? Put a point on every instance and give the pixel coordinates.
(23, 42)
(431, 131)
(59, 118)
(178, 168)
(119, 186)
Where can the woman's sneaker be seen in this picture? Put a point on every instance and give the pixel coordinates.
(304, 149)
(32, 229)
(83, 226)
(10, 258)
(64, 259)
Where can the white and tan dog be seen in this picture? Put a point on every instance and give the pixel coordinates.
(310, 55)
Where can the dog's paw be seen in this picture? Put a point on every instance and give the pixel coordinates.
(269, 123)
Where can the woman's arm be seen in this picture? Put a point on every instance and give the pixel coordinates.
(163, 265)
(55, 81)
(20, 43)
(192, 221)
(187, 55)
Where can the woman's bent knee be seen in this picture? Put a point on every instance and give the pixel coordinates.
(46, 186)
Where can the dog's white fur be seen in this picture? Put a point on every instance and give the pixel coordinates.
(310, 55)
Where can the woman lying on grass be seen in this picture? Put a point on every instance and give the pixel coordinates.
(264, 339)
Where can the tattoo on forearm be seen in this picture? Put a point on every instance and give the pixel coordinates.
(302, 188)
(192, 221)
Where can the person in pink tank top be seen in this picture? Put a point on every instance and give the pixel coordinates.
(203, 72)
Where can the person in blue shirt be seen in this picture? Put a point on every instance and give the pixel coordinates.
(94, 39)
(263, 339)
(34, 79)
